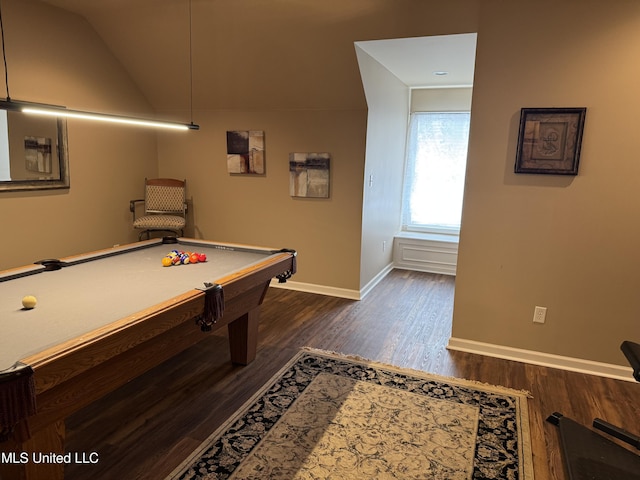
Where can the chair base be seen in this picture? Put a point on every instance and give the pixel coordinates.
(177, 233)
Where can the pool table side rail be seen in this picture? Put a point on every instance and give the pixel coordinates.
(97, 346)
(130, 247)
(233, 247)
(102, 343)
(101, 253)
(80, 371)
(19, 272)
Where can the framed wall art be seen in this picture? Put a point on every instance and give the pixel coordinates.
(309, 175)
(245, 152)
(38, 154)
(549, 140)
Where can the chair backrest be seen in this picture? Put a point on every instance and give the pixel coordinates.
(164, 195)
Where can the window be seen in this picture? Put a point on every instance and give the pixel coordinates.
(435, 168)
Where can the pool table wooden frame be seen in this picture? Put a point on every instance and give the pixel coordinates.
(77, 372)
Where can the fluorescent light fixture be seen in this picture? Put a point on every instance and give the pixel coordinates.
(62, 112)
(58, 111)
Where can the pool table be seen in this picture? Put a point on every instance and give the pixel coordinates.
(104, 318)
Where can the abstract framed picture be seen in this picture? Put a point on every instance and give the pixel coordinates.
(549, 140)
(38, 154)
(245, 152)
(309, 175)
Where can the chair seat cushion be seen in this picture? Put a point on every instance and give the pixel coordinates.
(159, 221)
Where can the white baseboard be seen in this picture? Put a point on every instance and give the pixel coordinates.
(333, 291)
(617, 372)
(375, 280)
(319, 289)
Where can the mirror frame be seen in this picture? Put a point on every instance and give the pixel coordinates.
(62, 157)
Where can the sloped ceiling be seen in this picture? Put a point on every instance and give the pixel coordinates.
(255, 53)
(150, 38)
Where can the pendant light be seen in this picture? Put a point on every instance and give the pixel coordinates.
(58, 111)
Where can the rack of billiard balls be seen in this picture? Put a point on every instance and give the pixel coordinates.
(179, 257)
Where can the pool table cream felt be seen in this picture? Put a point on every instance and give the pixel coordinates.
(80, 298)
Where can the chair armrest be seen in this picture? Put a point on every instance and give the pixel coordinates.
(132, 206)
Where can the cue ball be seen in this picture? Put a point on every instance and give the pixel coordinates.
(29, 302)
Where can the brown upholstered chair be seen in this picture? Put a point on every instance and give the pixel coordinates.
(165, 207)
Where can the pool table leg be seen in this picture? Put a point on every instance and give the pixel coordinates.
(243, 337)
(45, 441)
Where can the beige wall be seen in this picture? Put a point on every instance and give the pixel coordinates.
(57, 58)
(567, 243)
(292, 71)
(258, 209)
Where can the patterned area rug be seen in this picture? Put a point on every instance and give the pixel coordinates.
(329, 416)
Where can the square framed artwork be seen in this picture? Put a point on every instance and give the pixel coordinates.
(549, 140)
(309, 175)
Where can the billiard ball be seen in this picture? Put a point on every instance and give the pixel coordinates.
(29, 302)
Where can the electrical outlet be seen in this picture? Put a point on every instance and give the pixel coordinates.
(384, 245)
(539, 314)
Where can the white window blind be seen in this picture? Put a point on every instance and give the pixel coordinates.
(434, 173)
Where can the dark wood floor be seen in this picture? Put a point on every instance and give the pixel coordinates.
(146, 428)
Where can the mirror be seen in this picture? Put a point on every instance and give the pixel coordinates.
(33, 151)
